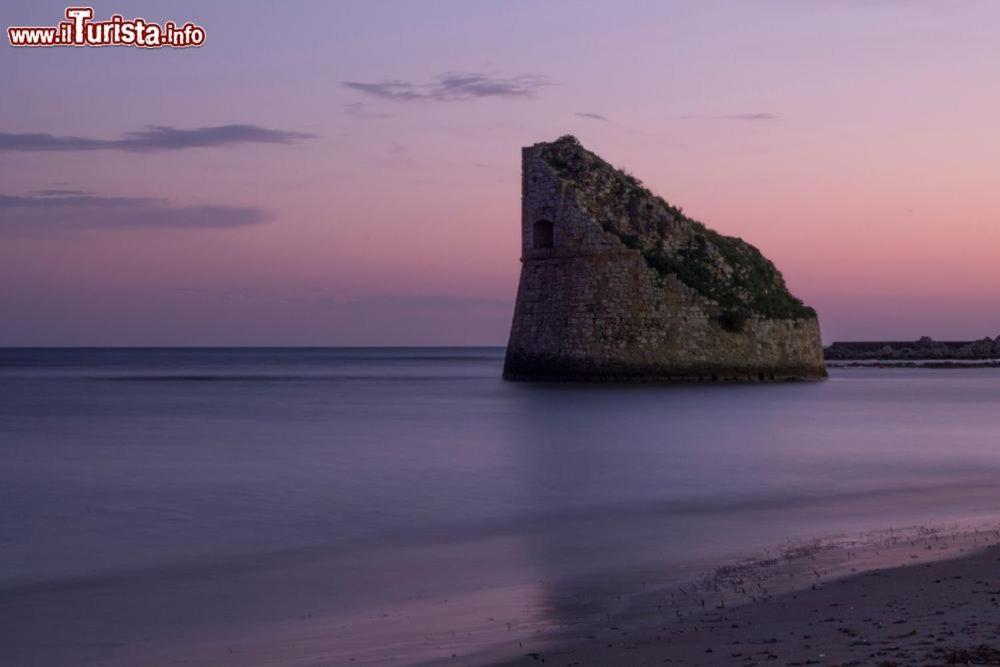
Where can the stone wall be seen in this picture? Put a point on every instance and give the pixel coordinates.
(591, 308)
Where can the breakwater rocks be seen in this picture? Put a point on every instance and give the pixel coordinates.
(922, 348)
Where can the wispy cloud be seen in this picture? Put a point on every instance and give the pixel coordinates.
(153, 138)
(752, 116)
(453, 87)
(592, 116)
(732, 116)
(395, 156)
(428, 301)
(53, 214)
(364, 110)
(58, 192)
(386, 303)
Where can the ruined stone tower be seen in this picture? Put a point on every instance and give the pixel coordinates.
(616, 284)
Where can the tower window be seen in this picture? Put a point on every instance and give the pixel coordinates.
(542, 234)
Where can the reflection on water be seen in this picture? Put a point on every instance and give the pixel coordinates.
(406, 477)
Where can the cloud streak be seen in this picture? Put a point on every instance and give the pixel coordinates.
(48, 215)
(425, 301)
(733, 116)
(58, 192)
(752, 116)
(453, 87)
(153, 138)
(364, 110)
(592, 116)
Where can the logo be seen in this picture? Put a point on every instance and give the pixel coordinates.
(79, 29)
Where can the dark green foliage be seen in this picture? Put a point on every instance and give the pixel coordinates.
(754, 283)
(558, 163)
(631, 241)
(724, 269)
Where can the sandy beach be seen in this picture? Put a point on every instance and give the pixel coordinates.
(916, 597)
(920, 596)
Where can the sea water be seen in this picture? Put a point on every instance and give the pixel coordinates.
(412, 470)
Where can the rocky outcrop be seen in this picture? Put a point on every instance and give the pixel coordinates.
(617, 284)
(922, 348)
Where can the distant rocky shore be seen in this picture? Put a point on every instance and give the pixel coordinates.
(922, 349)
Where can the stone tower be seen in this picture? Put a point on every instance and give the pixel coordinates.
(617, 284)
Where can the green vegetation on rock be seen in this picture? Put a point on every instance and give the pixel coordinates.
(725, 269)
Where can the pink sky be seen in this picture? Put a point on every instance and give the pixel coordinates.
(854, 143)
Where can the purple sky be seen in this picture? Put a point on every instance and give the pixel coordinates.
(347, 174)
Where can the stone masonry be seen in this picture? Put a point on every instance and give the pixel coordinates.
(616, 284)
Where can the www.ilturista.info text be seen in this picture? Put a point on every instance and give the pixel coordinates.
(80, 30)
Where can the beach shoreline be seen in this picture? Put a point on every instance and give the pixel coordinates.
(920, 596)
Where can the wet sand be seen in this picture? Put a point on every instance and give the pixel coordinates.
(942, 606)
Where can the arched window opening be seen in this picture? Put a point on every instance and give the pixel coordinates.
(542, 235)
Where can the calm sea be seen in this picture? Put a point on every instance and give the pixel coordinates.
(130, 461)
